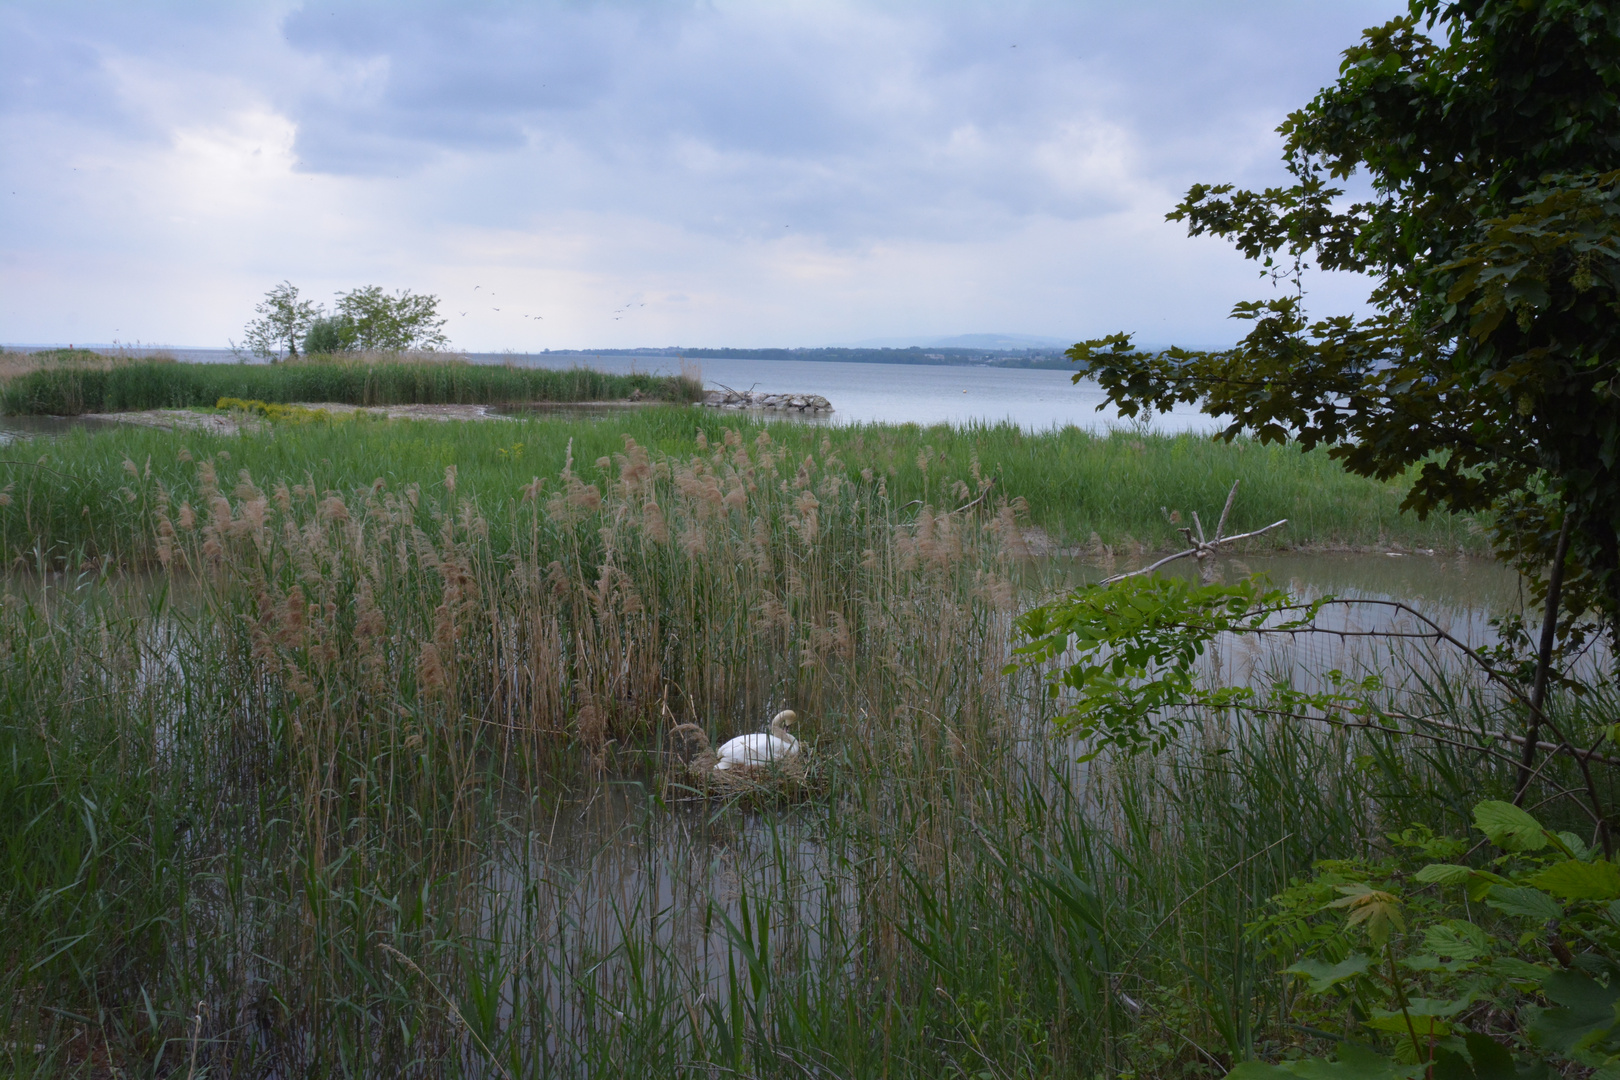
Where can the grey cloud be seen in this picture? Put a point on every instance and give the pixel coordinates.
(46, 68)
(900, 120)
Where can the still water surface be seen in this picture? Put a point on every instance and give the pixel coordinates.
(914, 393)
(1035, 400)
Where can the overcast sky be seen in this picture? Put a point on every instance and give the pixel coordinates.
(619, 174)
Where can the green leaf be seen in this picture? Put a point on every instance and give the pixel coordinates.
(1509, 827)
(1378, 909)
(1456, 940)
(1443, 874)
(1323, 976)
(1525, 902)
(1490, 1060)
(1424, 1026)
(1577, 846)
(1480, 883)
(1428, 1017)
(1511, 967)
(1585, 1015)
(1354, 1063)
(1580, 880)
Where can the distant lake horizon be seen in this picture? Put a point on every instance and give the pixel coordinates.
(1035, 399)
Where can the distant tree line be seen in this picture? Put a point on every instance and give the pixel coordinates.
(360, 319)
(1020, 358)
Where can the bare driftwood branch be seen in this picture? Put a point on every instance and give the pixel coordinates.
(1200, 548)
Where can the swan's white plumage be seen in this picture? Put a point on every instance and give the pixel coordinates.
(761, 748)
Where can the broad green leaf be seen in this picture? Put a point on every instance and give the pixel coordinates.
(1324, 976)
(1509, 827)
(1443, 874)
(1480, 883)
(1490, 1060)
(1585, 1015)
(1354, 1063)
(1378, 909)
(1430, 962)
(1511, 967)
(1577, 846)
(1424, 1026)
(1456, 940)
(1525, 902)
(1573, 880)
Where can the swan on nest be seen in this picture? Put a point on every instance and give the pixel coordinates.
(761, 748)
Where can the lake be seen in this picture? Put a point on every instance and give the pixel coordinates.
(912, 393)
(921, 394)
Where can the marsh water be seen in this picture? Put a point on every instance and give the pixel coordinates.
(1035, 399)
(624, 865)
(591, 874)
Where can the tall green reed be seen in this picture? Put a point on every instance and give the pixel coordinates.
(72, 389)
(1106, 496)
(340, 772)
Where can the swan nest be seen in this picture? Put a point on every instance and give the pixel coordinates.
(695, 763)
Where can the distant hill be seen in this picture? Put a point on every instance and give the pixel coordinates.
(1002, 342)
(1021, 357)
(987, 342)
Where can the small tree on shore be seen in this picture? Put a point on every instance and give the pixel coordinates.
(283, 321)
(370, 318)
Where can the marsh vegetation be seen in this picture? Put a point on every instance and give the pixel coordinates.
(83, 382)
(313, 771)
(1107, 496)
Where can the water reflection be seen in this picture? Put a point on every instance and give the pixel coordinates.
(651, 897)
(14, 429)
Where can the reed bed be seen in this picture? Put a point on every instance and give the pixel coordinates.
(351, 781)
(70, 389)
(68, 499)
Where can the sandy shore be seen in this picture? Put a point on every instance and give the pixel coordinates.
(233, 422)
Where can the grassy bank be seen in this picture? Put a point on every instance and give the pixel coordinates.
(72, 388)
(76, 496)
(359, 783)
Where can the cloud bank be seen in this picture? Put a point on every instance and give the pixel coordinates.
(569, 175)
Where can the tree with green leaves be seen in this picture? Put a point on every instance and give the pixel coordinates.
(370, 318)
(283, 320)
(1485, 132)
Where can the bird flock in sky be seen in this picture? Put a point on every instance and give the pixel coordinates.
(616, 314)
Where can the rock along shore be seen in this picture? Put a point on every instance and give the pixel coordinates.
(728, 398)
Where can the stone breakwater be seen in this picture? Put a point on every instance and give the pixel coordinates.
(752, 399)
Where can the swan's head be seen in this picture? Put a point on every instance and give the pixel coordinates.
(785, 718)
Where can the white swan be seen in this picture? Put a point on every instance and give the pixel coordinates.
(761, 748)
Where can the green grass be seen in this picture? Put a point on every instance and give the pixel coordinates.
(356, 783)
(74, 497)
(69, 389)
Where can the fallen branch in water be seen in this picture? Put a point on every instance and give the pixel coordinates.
(1201, 548)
